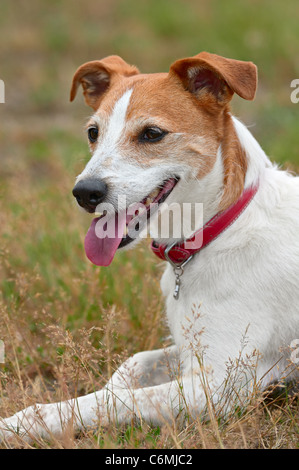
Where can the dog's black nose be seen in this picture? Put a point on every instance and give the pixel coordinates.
(90, 192)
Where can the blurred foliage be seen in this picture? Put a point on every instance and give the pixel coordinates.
(42, 44)
(42, 142)
(41, 134)
(45, 278)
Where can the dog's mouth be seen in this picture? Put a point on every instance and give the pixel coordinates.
(107, 233)
(145, 209)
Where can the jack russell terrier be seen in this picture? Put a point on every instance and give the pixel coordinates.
(231, 286)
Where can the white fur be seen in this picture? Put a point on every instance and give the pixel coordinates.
(111, 131)
(238, 305)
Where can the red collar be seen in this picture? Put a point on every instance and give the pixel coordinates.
(178, 253)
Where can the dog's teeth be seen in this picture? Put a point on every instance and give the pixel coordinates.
(98, 214)
(126, 231)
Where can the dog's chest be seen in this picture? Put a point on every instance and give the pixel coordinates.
(183, 296)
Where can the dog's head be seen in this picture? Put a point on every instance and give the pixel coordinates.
(157, 137)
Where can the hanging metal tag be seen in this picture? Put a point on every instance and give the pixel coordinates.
(176, 293)
(178, 270)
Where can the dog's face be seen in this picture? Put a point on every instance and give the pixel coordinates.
(157, 137)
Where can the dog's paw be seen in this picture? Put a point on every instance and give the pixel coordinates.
(30, 423)
(25, 424)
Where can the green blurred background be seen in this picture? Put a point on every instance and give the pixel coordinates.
(43, 146)
(43, 42)
(46, 281)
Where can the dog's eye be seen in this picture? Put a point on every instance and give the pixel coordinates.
(93, 133)
(152, 134)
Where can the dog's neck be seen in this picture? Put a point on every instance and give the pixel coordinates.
(207, 193)
(215, 221)
(180, 253)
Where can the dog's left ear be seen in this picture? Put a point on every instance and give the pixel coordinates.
(97, 76)
(216, 76)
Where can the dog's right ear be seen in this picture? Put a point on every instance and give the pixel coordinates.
(97, 76)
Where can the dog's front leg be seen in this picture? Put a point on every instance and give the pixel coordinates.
(156, 405)
(146, 368)
(51, 420)
(40, 420)
(118, 405)
(143, 369)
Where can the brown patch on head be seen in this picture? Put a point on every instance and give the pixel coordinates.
(221, 77)
(190, 103)
(96, 77)
(234, 165)
(192, 135)
(213, 80)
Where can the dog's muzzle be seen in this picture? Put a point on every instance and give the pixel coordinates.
(90, 192)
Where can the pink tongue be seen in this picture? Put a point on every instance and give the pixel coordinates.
(100, 249)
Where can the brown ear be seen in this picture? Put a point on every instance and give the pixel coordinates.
(96, 77)
(218, 76)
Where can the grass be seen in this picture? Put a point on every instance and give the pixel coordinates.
(66, 324)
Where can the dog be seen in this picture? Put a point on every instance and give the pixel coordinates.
(231, 285)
